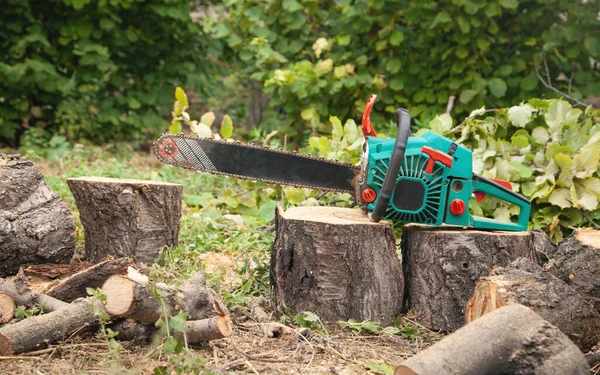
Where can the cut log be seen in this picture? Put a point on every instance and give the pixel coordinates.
(336, 263)
(23, 296)
(510, 340)
(36, 226)
(526, 283)
(442, 266)
(74, 286)
(127, 218)
(7, 308)
(35, 332)
(577, 263)
(215, 328)
(133, 299)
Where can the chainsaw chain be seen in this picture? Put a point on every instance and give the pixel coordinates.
(173, 162)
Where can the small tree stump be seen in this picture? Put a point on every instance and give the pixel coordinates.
(36, 226)
(336, 263)
(525, 283)
(510, 340)
(442, 266)
(214, 328)
(127, 218)
(577, 263)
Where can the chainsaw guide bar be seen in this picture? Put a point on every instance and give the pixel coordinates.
(253, 162)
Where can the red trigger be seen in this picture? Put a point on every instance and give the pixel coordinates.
(479, 195)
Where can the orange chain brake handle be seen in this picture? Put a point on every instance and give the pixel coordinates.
(367, 127)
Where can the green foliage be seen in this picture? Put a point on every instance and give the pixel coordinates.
(22, 312)
(327, 57)
(379, 369)
(95, 70)
(548, 150)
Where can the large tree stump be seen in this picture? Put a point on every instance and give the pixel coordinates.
(526, 283)
(510, 340)
(442, 266)
(35, 225)
(336, 263)
(127, 218)
(577, 263)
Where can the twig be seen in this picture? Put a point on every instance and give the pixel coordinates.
(251, 367)
(594, 224)
(549, 84)
(69, 346)
(458, 128)
(571, 78)
(19, 357)
(450, 104)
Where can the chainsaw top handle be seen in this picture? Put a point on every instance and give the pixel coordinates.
(403, 118)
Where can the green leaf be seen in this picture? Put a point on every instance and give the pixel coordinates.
(266, 212)
(393, 66)
(467, 95)
(592, 184)
(170, 345)
(310, 317)
(519, 141)
(181, 97)
(177, 322)
(175, 127)
(441, 124)
(588, 201)
(337, 130)
(509, 4)
(291, 5)
(502, 214)
(351, 131)
(309, 114)
(592, 44)
(133, 103)
(520, 115)
(523, 170)
(208, 119)
(497, 87)
(396, 37)
(226, 127)
(90, 291)
(563, 160)
(560, 197)
(540, 135)
(379, 369)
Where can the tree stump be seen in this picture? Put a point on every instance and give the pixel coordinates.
(35, 225)
(442, 265)
(510, 340)
(577, 263)
(127, 218)
(337, 264)
(525, 283)
(7, 308)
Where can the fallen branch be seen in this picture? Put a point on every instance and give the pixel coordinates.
(23, 296)
(197, 331)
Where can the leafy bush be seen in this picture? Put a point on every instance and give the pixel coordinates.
(95, 70)
(319, 58)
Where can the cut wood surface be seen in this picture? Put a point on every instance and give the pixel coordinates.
(36, 331)
(215, 328)
(336, 263)
(7, 308)
(577, 263)
(127, 218)
(442, 266)
(36, 226)
(509, 340)
(23, 296)
(74, 286)
(525, 283)
(133, 299)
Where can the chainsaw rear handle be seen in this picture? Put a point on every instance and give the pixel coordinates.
(403, 118)
(490, 187)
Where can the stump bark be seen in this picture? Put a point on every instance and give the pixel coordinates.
(336, 263)
(36, 226)
(524, 282)
(35, 332)
(577, 263)
(442, 265)
(510, 340)
(127, 218)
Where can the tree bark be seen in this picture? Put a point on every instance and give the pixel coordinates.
(138, 333)
(442, 266)
(7, 308)
(23, 296)
(525, 283)
(127, 218)
(74, 286)
(35, 225)
(510, 340)
(34, 332)
(577, 263)
(133, 299)
(336, 263)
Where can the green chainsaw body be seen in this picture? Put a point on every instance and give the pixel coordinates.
(434, 184)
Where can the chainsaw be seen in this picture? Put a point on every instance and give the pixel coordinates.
(426, 179)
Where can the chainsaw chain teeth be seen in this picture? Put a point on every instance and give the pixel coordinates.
(159, 155)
